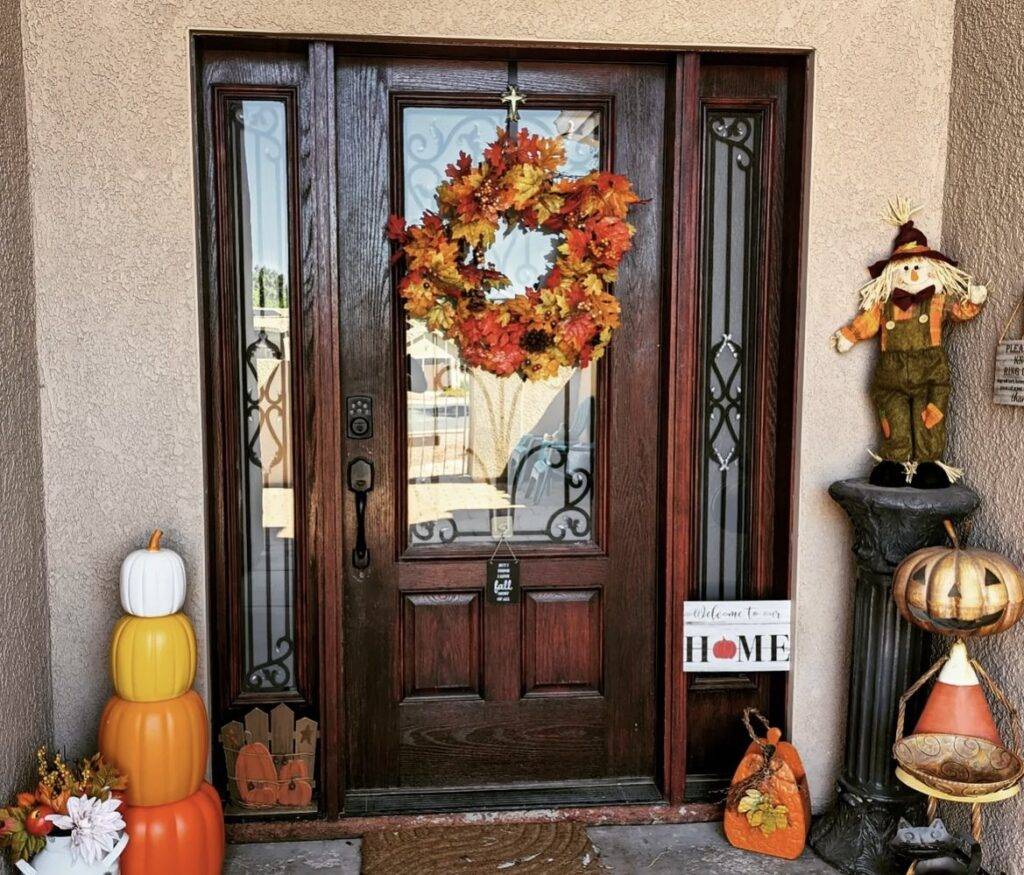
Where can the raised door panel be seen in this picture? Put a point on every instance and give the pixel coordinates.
(441, 644)
(562, 643)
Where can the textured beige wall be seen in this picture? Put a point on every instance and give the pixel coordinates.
(110, 140)
(24, 640)
(984, 228)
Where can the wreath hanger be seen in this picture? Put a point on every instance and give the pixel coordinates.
(512, 96)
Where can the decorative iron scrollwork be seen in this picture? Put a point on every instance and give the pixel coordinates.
(259, 181)
(731, 206)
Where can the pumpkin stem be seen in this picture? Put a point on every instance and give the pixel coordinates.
(952, 534)
(154, 540)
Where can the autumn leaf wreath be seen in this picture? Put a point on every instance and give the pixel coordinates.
(568, 319)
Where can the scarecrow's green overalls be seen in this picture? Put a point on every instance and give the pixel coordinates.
(910, 389)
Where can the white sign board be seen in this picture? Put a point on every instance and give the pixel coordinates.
(1010, 373)
(736, 636)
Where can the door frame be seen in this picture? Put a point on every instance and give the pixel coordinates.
(322, 476)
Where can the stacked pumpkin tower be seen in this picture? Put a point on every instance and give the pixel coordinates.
(155, 729)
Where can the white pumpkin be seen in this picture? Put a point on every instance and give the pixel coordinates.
(153, 581)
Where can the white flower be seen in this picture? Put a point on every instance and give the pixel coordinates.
(94, 827)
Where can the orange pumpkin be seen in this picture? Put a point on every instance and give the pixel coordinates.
(183, 838)
(256, 776)
(161, 747)
(787, 786)
(294, 787)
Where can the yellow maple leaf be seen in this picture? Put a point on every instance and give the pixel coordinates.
(525, 182)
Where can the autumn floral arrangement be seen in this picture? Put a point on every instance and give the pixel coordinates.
(79, 801)
(569, 318)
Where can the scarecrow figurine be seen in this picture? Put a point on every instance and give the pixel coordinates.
(911, 297)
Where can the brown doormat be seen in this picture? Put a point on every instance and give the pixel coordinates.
(552, 848)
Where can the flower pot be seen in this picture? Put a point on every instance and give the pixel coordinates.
(57, 859)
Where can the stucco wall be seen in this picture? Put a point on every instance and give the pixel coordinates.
(984, 228)
(24, 642)
(110, 140)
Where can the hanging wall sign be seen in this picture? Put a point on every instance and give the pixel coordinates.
(503, 581)
(1009, 388)
(736, 636)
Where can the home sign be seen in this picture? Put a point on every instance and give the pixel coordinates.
(736, 636)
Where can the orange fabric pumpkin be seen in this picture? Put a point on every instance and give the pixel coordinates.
(256, 776)
(294, 787)
(183, 838)
(161, 747)
(787, 786)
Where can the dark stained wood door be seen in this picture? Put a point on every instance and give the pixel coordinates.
(451, 701)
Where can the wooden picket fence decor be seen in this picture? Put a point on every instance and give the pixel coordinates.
(271, 762)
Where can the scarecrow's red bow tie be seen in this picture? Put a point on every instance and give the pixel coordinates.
(905, 300)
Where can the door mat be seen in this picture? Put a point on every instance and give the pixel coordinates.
(507, 849)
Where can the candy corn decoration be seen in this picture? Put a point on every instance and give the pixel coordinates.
(155, 728)
(957, 703)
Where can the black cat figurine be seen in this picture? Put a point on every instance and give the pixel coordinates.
(936, 850)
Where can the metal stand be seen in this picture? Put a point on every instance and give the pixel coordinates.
(887, 655)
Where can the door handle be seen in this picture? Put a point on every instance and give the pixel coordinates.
(360, 481)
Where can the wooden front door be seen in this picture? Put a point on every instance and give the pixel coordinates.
(451, 700)
(660, 473)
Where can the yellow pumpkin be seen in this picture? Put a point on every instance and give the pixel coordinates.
(153, 658)
(160, 747)
(959, 591)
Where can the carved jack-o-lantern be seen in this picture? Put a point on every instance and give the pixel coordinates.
(957, 591)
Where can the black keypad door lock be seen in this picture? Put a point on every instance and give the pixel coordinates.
(360, 481)
(359, 417)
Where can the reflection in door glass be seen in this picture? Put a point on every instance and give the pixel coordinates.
(486, 452)
(258, 196)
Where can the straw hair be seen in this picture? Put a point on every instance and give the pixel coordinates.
(900, 211)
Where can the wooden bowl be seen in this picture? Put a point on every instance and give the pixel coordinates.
(958, 764)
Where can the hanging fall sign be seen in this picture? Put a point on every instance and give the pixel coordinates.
(569, 318)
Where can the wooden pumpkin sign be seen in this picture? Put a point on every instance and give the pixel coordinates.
(294, 786)
(768, 809)
(256, 775)
(959, 591)
(153, 580)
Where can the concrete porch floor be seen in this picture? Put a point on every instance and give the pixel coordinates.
(644, 850)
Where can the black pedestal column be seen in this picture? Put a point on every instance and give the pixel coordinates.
(887, 656)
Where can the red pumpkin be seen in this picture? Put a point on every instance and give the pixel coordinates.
(256, 776)
(724, 649)
(161, 747)
(183, 838)
(294, 787)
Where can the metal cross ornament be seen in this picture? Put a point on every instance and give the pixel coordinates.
(513, 98)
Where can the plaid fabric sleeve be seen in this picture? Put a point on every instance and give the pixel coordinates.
(864, 326)
(962, 311)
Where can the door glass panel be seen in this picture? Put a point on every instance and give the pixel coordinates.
(731, 233)
(484, 451)
(258, 186)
